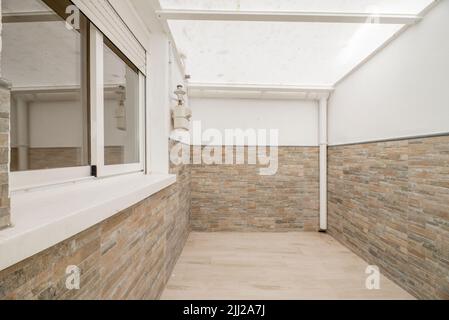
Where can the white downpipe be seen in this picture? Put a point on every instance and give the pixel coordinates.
(323, 163)
(22, 133)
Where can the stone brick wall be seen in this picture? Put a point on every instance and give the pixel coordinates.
(49, 158)
(5, 98)
(236, 198)
(178, 215)
(129, 256)
(389, 203)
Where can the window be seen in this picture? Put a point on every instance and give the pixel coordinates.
(121, 109)
(44, 62)
(57, 109)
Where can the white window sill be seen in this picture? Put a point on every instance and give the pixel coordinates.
(43, 218)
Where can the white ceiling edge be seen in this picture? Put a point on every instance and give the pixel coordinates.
(258, 91)
(266, 16)
(366, 6)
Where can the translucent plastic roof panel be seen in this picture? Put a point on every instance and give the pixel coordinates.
(343, 6)
(281, 53)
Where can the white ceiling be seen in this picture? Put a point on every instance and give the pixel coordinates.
(281, 53)
(275, 53)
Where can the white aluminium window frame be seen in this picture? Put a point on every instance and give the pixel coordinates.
(25, 180)
(97, 113)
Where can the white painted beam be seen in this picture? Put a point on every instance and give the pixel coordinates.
(321, 17)
(258, 91)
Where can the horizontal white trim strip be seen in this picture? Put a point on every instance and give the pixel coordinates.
(258, 91)
(59, 89)
(43, 218)
(385, 140)
(187, 142)
(321, 17)
(264, 87)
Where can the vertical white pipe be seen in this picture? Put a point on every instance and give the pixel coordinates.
(22, 134)
(323, 163)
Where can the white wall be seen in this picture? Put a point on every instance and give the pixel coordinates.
(55, 124)
(403, 91)
(58, 124)
(297, 121)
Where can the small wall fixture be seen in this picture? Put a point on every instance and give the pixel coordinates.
(181, 114)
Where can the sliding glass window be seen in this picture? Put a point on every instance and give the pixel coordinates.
(121, 108)
(46, 63)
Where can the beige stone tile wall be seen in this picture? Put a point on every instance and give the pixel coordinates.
(236, 198)
(114, 155)
(178, 215)
(49, 158)
(129, 256)
(389, 203)
(5, 99)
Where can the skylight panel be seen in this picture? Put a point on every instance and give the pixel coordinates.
(275, 52)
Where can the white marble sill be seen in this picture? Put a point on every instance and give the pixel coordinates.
(43, 218)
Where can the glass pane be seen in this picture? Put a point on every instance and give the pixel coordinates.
(365, 6)
(43, 61)
(121, 110)
(281, 53)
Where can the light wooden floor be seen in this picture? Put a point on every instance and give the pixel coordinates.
(271, 266)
